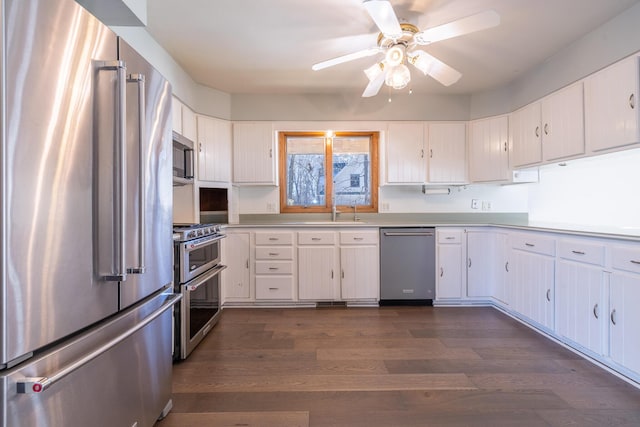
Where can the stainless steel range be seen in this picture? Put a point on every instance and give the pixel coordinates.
(197, 256)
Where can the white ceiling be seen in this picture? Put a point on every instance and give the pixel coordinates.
(268, 46)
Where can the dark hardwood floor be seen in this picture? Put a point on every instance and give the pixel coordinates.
(392, 366)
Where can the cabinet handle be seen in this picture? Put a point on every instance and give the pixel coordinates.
(531, 245)
(549, 295)
(595, 311)
(633, 261)
(247, 264)
(273, 239)
(358, 238)
(450, 238)
(441, 271)
(505, 146)
(273, 268)
(431, 153)
(270, 153)
(632, 101)
(469, 263)
(537, 131)
(422, 154)
(546, 128)
(578, 252)
(342, 274)
(273, 289)
(315, 239)
(200, 146)
(613, 316)
(506, 266)
(273, 253)
(332, 273)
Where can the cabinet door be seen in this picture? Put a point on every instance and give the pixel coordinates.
(189, 125)
(526, 136)
(624, 318)
(449, 279)
(214, 149)
(235, 279)
(480, 263)
(359, 272)
(563, 123)
(611, 106)
(579, 305)
(406, 163)
(176, 115)
(447, 152)
(501, 280)
(488, 149)
(253, 154)
(317, 273)
(533, 281)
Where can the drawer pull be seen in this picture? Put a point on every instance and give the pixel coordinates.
(273, 289)
(273, 239)
(273, 268)
(578, 252)
(633, 261)
(358, 238)
(549, 295)
(531, 245)
(613, 316)
(450, 238)
(595, 311)
(273, 254)
(315, 239)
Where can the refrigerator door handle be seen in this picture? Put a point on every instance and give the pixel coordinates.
(35, 385)
(119, 179)
(139, 79)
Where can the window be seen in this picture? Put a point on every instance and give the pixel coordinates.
(317, 172)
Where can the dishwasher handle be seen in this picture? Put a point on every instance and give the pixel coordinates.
(408, 233)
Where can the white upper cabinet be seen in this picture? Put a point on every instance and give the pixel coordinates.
(563, 123)
(214, 149)
(526, 136)
(183, 119)
(489, 149)
(611, 106)
(254, 157)
(406, 162)
(447, 152)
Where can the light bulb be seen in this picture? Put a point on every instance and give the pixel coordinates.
(394, 56)
(398, 77)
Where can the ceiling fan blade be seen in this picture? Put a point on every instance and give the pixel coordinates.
(374, 86)
(432, 66)
(460, 27)
(345, 58)
(383, 15)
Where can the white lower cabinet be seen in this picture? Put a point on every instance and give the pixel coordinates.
(481, 266)
(624, 317)
(236, 278)
(359, 272)
(274, 265)
(580, 302)
(532, 277)
(317, 274)
(450, 264)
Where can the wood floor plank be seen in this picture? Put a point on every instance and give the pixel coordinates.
(235, 419)
(474, 366)
(436, 352)
(271, 383)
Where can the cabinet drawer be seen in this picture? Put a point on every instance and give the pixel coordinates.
(626, 258)
(274, 288)
(358, 237)
(274, 252)
(449, 236)
(590, 253)
(274, 238)
(274, 267)
(316, 238)
(534, 243)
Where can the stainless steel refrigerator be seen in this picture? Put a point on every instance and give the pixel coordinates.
(86, 209)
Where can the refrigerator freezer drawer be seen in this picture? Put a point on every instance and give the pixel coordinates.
(118, 374)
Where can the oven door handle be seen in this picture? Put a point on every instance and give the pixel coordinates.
(198, 281)
(193, 246)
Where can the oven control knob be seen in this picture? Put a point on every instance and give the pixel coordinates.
(191, 234)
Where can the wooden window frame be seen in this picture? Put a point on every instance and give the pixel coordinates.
(328, 157)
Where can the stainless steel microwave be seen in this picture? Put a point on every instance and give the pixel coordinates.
(182, 160)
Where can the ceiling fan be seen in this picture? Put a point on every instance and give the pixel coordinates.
(398, 41)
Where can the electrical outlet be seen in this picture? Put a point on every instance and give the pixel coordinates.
(488, 205)
(271, 207)
(484, 205)
(474, 203)
(385, 207)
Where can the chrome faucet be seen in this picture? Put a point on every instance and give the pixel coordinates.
(334, 213)
(355, 213)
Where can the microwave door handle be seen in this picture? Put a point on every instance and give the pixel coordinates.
(205, 277)
(188, 163)
(139, 79)
(118, 269)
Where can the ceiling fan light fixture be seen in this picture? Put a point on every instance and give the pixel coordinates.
(394, 55)
(398, 77)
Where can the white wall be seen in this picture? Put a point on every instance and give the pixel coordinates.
(599, 191)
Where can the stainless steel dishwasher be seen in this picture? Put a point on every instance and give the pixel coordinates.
(407, 266)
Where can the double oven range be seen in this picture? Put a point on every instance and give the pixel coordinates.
(197, 267)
